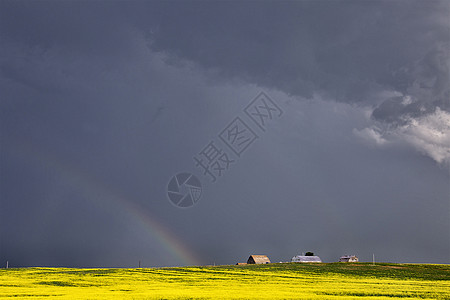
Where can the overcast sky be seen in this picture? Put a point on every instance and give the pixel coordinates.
(101, 103)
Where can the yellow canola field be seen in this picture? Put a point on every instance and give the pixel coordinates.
(229, 282)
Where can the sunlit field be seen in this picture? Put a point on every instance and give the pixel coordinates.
(282, 281)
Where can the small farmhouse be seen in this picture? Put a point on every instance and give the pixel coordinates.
(306, 259)
(348, 258)
(258, 259)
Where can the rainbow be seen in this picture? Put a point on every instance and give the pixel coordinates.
(97, 191)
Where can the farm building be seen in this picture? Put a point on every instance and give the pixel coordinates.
(306, 259)
(258, 259)
(348, 258)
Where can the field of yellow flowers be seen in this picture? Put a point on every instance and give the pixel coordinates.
(271, 281)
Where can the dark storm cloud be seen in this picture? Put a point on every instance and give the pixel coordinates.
(391, 56)
(347, 50)
(427, 86)
(100, 99)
